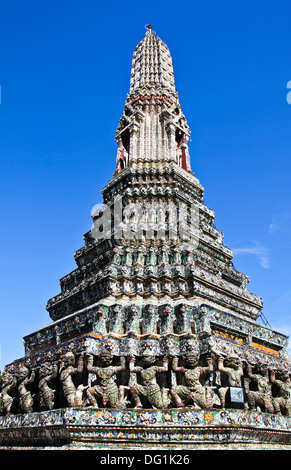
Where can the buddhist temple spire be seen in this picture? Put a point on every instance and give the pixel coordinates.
(152, 65)
(152, 126)
(155, 339)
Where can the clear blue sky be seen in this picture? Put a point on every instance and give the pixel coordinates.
(64, 75)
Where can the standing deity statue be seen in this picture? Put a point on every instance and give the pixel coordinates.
(132, 320)
(67, 370)
(117, 255)
(232, 370)
(203, 397)
(177, 255)
(47, 372)
(8, 383)
(282, 401)
(25, 377)
(141, 252)
(262, 397)
(157, 396)
(164, 254)
(108, 390)
(204, 323)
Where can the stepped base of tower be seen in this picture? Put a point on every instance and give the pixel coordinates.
(185, 428)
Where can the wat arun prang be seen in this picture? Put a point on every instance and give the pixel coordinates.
(155, 339)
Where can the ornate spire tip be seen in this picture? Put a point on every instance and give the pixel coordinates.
(149, 29)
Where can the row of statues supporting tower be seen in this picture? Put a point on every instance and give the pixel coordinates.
(146, 382)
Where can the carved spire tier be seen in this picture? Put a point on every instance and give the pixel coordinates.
(152, 66)
(153, 126)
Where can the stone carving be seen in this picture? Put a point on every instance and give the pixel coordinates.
(232, 370)
(148, 371)
(146, 381)
(282, 385)
(67, 370)
(9, 382)
(25, 377)
(107, 390)
(262, 397)
(204, 322)
(47, 372)
(202, 396)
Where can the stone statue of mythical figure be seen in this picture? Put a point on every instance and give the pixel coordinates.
(9, 382)
(47, 372)
(282, 383)
(25, 377)
(232, 369)
(156, 395)
(204, 323)
(193, 391)
(66, 373)
(262, 397)
(107, 390)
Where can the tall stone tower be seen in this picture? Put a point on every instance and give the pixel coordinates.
(155, 339)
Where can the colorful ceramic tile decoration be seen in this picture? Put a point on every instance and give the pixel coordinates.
(155, 339)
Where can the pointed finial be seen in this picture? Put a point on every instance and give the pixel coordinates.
(149, 29)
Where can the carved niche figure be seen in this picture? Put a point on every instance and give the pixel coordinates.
(141, 252)
(203, 397)
(204, 323)
(108, 390)
(132, 319)
(157, 396)
(25, 377)
(47, 372)
(149, 320)
(8, 383)
(67, 370)
(262, 397)
(117, 255)
(282, 383)
(232, 369)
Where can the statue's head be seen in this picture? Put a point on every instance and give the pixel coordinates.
(283, 374)
(167, 309)
(106, 357)
(23, 372)
(7, 378)
(233, 361)
(203, 310)
(45, 369)
(69, 359)
(148, 357)
(151, 310)
(262, 367)
(191, 359)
